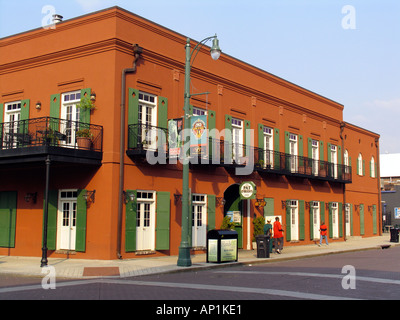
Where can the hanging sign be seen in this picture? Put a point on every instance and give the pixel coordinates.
(175, 127)
(247, 190)
(198, 135)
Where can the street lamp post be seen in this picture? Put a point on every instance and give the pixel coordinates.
(184, 259)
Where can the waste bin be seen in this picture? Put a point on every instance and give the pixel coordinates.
(262, 246)
(222, 246)
(394, 234)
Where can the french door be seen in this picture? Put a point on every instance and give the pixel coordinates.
(145, 221)
(71, 114)
(67, 220)
(199, 221)
(12, 118)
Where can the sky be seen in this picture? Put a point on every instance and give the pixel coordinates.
(345, 50)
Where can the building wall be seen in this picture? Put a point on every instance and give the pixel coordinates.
(91, 52)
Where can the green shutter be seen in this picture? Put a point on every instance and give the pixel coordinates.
(162, 112)
(311, 220)
(374, 220)
(277, 163)
(23, 128)
(211, 131)
(55, 103)
(247, 137)
(321, 151)
(130, 222)
(340, 213)
(287, 151)
(362, 228)
(211, 204)
(288, 222)
(269, 207)
(8, 216)
(322, 212)
(330, 220)
(329, 152)
(51, 219)
(163, 219)
(363, 168)
(301, 220)
(309, 148)
(85, 113)
(351, 219)
(133, 116)
(81, 218)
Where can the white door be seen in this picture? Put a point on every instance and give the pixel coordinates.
(145, 225)
(269, 147)
(316, 219)
(199, 221)
(315, 157)
(293, 152)
(334, 161)
(147, 119)
(68, 225)
(335, 220)
(347, 219)
(294, 220)
(11, 127)
(237, 139)
(70, 115)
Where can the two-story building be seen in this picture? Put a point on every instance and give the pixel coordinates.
(117, 80)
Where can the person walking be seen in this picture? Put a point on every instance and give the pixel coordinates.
(278, 236)
(268, 232)
(323, 231)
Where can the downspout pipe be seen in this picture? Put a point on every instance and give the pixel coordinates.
(137, 51)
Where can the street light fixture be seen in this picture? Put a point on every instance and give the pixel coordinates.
(184, 259)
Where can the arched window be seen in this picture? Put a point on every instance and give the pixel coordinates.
(360, 165)
(372, 167)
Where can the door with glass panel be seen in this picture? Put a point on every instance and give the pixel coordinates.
(147, 121)
(67, 219)
(269, 147)
(294, 220)
(199, 221)
(315, 157)
(145, 220)
(293, 152)
(70, 115)
(316, 219)
(11, 125)
(237, 139)
(335, 219)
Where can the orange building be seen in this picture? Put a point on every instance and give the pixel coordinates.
(307, 164)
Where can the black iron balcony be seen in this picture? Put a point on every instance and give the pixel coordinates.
(70, 141)
(282, 163)
(144, 138)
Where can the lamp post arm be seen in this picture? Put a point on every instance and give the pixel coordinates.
(196, 49)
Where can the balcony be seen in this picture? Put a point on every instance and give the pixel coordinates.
(151, 143)
(268, 161)
(33, 140)
(145, 138)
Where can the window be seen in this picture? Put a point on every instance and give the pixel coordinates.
(334, 161)
(360, 165)
(147, 120)
(346, 161)
(237, 139)
(71, 113)
(372, 165)
(315, 156)
(11, 125)
(268, 147)
(293, 152)
(198, 111)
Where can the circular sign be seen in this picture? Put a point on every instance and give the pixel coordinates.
(247, 190)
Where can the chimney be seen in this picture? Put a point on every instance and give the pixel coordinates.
(57, 18)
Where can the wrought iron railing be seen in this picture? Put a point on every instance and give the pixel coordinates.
(223, 152)
(53, 132)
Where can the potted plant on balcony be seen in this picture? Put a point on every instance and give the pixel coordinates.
(84, 139)
(86, 103)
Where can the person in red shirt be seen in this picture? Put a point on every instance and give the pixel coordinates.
(278, 236)
(323, 231)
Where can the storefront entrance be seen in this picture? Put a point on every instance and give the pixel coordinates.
(234, 208)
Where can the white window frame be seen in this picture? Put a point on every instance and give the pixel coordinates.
(268, 147)
(148, 102)
(315, 156)
(315, 207)
(199, 112)
(334, 160)
(145, 199)
(237, 139)
(12, 116)
(66, 196)
(293, 151)
(335, 220)
(372, 164)
(360, 164)
(72, 114)
(200, 202)
(294, 220)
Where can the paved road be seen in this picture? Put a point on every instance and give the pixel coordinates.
(371, 274)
